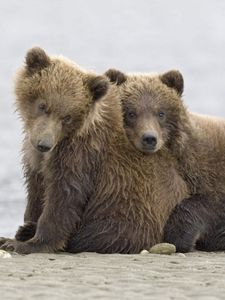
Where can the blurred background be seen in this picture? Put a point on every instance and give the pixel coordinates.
(143, 35)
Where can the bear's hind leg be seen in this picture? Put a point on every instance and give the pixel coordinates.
(213, 240)
(102, 236)
(187, 223)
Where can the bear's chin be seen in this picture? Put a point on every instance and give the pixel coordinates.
(145, 150)
(148, 151)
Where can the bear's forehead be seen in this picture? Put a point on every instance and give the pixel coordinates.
(57, 78)
(61, 85)
(56, 89)
(147, 87)
(143, 86)
(145, 95)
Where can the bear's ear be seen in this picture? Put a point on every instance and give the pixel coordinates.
(116, 76)
(36, 60)
(98, 87)
(173, 79)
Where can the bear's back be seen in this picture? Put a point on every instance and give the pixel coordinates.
(209, 133)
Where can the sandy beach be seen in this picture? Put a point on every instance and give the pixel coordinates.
(196, 275)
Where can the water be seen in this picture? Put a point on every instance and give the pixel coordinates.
(129, 35)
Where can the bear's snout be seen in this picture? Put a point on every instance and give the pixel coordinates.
(44, 146)
(149, 141)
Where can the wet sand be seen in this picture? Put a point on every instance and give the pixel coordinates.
(196, 275)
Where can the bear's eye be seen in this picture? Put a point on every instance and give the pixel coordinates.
(67, 119)
(131, 115)
(42, 107)
(161, 114)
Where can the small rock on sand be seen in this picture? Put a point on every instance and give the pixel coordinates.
(163, 248)
(143, 252)
(181, 254)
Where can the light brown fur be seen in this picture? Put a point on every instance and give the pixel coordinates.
(99, 193)
(197, 142)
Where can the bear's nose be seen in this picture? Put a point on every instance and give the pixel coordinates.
(149, 140)
(42, 147)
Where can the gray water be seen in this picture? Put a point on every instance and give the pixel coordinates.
(130, 35)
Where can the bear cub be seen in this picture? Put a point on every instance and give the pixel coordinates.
(155, 118)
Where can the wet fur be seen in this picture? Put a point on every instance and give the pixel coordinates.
(202, 164)
(197, 143)
(100, 194)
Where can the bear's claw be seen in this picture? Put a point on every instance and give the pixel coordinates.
(3, 240)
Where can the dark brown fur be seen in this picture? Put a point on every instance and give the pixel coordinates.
(116, 76)
(198, 144)
(99, 193)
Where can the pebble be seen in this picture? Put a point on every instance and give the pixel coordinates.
(163, 248)
(143, 252)
(181, 254)
(4, 254)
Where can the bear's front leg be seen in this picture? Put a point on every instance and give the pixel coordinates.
(35, 197)
(3, 240)
(51, 234)
(26, 231)
(22, 247)
(60, 217)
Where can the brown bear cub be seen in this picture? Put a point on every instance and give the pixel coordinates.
(88, 189)
(156, 119)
